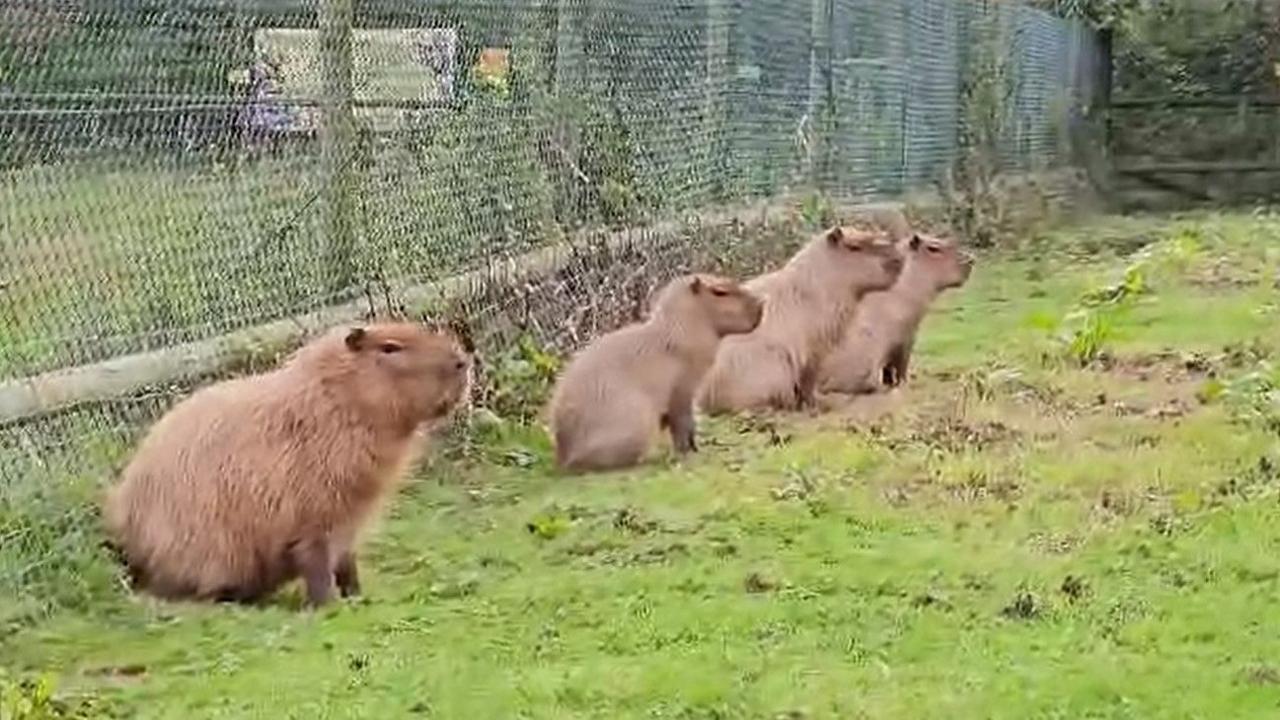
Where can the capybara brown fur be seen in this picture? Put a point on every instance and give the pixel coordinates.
(620, 391)
(251, 483)
(807, 303)
(876, 348)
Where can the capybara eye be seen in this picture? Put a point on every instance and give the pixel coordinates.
(389, 348)
(460, 365)
(719, 292)
(934, 249)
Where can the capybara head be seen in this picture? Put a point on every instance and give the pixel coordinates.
(726, 306)
(938, 262)
(869, 260)
(401, 372)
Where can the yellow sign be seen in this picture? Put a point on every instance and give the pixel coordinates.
(494, 67)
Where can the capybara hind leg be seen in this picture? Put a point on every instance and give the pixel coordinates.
(312, 559)
(347, 575)
(807, 388)
(895, 367)
(679, 417)
(684, 435)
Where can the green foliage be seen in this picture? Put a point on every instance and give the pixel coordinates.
(816, 211)
(1087, 333)
(1186, 49)
(1253, 397)
(1086, 330)
(1132, 285)
(976, 205)
(34, 698)
(27, 699)
(550, 525)
(1100, 13)
(519, 379)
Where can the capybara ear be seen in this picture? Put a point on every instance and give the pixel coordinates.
(355, 339)
(915, 243)
(835, 235)
(696, 285)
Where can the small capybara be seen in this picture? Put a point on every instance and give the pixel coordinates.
(623, 388)
(251, 483)
(807, 303)
(876, 347)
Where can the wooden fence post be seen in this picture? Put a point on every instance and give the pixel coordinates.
(337, 143)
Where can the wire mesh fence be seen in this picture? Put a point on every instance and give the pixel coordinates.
(176, 171)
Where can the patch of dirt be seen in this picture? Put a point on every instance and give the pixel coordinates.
(765, 425)
(1262, 675)
(977, 486)
(757, 583)
(1250, 481)
(954, 435)
(1054, 543)
(900, 494)
(609, 553)
(1162, 410)
(1074, 587)
(630, 520)
(129, 672)
(594, 547)
(1167, 365)
(1183, 372)
(866, 409)
(1125, 503)
(1024, 606)
(1226, 272)
(931, 599)
(948, 433)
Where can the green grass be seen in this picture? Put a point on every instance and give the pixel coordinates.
(1013, 536)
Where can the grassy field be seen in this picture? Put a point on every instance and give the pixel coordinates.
(1071, 513)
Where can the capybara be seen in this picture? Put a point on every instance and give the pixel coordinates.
(876, 347)
(253, 482)
(623, 388)
(807, 303)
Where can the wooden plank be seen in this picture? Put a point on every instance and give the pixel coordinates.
(24, 398)
(1228, 166)
(338, 142)
(1169, 184)
(1208, 101)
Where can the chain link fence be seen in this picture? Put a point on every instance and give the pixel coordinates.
(188, 185)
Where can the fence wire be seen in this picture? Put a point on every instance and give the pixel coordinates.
(171, 171)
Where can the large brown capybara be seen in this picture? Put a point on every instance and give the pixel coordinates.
(620, 390)
(807, 304)
(251, 483)
(876, 348)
